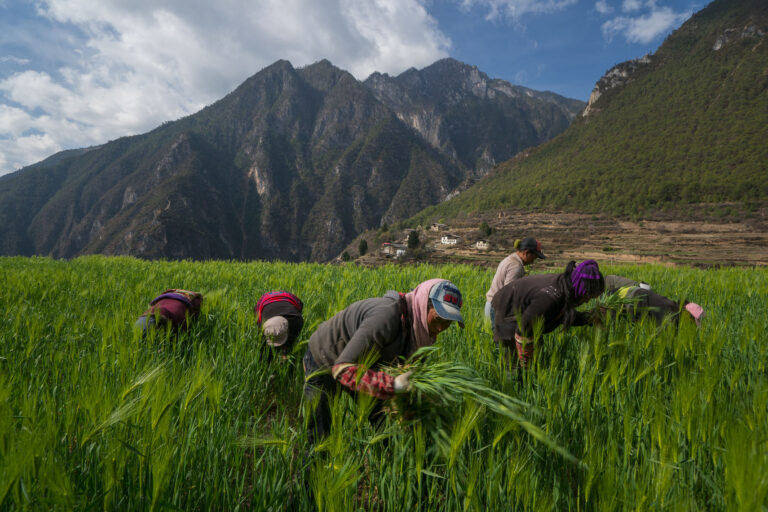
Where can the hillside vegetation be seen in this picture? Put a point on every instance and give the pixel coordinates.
(94, 417)
(688, 127)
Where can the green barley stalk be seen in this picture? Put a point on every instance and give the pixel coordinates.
(610, 305)
(448, 385)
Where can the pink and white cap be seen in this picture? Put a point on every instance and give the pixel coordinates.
(696, 311)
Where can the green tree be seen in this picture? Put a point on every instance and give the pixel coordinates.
(413, 239)
(345, 256)
(363, 247)
(485, 229)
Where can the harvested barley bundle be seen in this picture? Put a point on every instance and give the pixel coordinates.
(447, 385)
(609, 305)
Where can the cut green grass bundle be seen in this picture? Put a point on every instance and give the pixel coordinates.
(450, 385)
(609, 305)
(615, 301)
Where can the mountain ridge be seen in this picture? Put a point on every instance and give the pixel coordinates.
(455, 88)
(292, 164)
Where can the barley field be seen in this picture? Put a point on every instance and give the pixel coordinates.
(624, 417)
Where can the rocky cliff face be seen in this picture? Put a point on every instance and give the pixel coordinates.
(293, 164)
(478, 121)
(731, 35)
(618, 76)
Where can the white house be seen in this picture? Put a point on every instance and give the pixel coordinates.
(395, 250)
(482, 245)
(449, 240)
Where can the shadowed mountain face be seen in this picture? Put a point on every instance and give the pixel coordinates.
(686, 125)
(477, 120)
(293, 164)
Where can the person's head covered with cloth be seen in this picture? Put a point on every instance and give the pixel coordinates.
(432, 306)
(587, 281)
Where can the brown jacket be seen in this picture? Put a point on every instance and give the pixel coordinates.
(523, 303)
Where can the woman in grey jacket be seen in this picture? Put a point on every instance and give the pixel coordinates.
(374, 331)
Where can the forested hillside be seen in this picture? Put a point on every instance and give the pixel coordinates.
(686, 125)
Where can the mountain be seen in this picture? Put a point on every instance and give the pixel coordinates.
(463, 113)
(684, 126)
(293, 164)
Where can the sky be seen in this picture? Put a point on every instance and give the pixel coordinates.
(78, 73)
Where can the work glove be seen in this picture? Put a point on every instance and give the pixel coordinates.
(524, 346)
(403, 382)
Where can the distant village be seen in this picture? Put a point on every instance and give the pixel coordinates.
(443, 240)
(469, 242)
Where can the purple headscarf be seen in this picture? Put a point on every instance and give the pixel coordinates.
(587, 269)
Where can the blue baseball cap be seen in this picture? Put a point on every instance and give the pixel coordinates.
(447, 301)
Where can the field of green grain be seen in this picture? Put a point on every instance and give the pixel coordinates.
(93, 417)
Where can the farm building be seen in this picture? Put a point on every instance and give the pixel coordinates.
(482, 245)
(395, 250)
(436, 226)
(449, 239)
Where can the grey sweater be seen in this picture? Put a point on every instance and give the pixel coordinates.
(613, 283)
(364, 326)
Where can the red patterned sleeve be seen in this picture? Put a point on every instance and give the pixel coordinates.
(377, 384)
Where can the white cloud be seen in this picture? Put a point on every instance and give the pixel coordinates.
(514, 9)
(631, 5)
(602, 7)
(136, 64)
(14, 60)
(645, 28)
(22, 134)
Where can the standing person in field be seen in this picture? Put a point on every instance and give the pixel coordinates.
(512, 267)
(648, 303)
(373, 331)
(278, 313)
(546, 299)
(174, 307)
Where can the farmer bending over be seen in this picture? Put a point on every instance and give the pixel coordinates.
(649, 303)
(511, 268)
(278, 314)
(384, 329)
(174, 308)
(550, 299)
